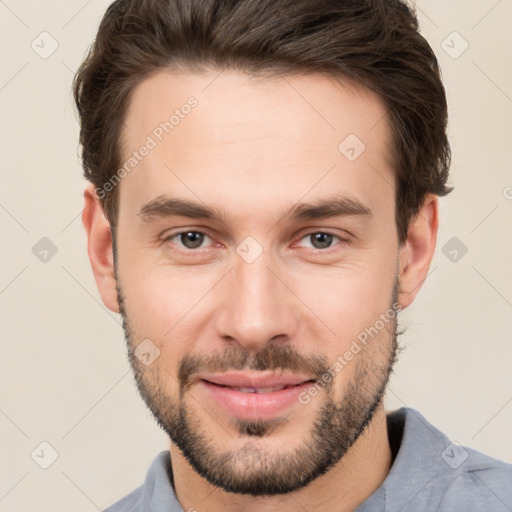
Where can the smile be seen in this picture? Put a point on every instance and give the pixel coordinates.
(253, 396)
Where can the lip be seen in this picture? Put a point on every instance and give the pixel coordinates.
(219, 387)
(255, 379)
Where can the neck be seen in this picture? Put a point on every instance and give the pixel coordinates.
(342, 489)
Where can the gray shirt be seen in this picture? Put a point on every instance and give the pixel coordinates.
(429, 473)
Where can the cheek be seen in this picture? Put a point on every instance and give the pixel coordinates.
(360, 315)
(166, 306)
(348, 299)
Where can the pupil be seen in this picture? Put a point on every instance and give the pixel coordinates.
(192, 239)
(321, 240)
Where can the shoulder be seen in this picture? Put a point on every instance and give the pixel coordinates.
(130, 503)
(480, 483)
(430, 472)
(156, 489)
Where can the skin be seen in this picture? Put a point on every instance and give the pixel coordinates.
(253, 149)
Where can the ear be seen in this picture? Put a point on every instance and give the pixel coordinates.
(99, 248)
(417, 251)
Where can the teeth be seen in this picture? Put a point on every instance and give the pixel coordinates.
(245, 390)
(258, 390)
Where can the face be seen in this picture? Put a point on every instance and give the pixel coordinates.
(257, 268)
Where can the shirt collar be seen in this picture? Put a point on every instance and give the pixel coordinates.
(418, 463)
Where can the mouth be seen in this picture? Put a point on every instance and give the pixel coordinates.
(260, 390)
(253, 396)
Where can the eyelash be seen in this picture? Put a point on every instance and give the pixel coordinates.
(341, 241)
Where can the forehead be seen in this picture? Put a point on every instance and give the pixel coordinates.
(217, 132)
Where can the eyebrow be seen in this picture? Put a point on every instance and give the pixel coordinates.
(336, 206)
(333, 206)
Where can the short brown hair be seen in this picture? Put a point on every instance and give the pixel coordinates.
(374, 42)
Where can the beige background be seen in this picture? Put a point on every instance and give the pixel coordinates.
(65, 378)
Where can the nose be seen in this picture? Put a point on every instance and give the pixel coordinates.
(256, 305)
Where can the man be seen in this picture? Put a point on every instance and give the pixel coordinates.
(263, 201)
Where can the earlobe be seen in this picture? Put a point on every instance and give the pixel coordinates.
(99, 248)
(418, 249)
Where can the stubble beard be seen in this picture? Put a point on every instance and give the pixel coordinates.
(251, 469)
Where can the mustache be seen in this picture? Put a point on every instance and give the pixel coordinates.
(272, 357)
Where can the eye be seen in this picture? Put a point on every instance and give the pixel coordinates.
(321, 240)
(188, 239)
